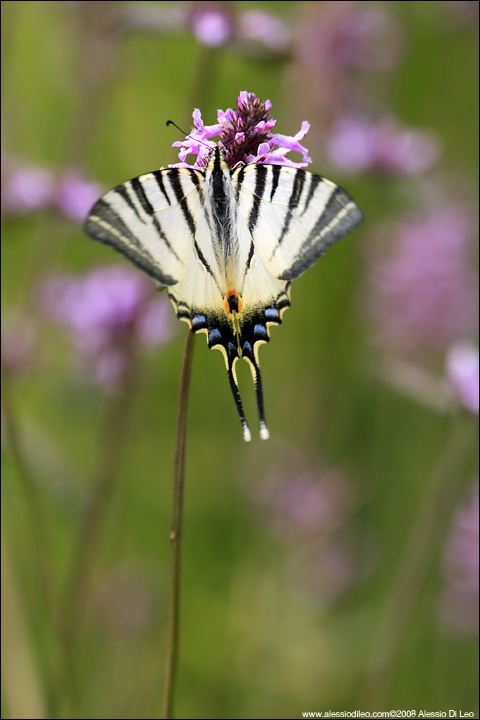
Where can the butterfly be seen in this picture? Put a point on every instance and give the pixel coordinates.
(226, 243)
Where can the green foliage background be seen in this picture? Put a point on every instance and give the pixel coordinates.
(254, 642)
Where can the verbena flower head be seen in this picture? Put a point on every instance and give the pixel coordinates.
(458, 604)
(245, 134)
(105, 312)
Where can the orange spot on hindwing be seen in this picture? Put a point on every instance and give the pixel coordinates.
(233, 302)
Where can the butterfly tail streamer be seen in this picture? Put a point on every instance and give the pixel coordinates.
(249, 356)
(238, 402)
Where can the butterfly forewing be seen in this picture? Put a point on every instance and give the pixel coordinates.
(152, 220)
(292, 215)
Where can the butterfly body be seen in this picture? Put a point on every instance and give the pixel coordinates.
(226, 243)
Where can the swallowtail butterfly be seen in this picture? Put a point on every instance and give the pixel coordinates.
(227, 243)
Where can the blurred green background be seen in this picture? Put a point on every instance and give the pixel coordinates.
(313, 563)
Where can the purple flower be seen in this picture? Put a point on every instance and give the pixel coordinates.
(462, 372)
(106, 312)
(424, 295)
(458, 604)
(245, 134)
(75, 195)
(348, 35)
(265, 28)
(26, 188)
(337, 43)
(310, 512)
(356, 145)
(212, 25)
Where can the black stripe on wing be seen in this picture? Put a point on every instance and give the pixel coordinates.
(340, 216)
(147, 206)
(260, 183)
(105, 225)
(159, 175)
(275, 178)
(315, 181)
(176, 185)
(293, 201)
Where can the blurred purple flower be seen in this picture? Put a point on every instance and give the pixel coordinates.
(314, 510)
(356, 145)
(106, 312)
(75, 195)
(246, 135)
(463, 374)
(350, 35)
(263, 27)
(425, 294)
(458, 604)
(337, 43)
(26, 188)
(305, 503)
(212, 25)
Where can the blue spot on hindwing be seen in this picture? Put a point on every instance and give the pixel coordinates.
(260, 330)
(271, 314)
(199, 322)
(214, 336)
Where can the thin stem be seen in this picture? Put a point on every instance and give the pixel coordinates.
(176, 529)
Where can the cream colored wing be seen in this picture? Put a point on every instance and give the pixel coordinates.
(293, 216)
(154, 220)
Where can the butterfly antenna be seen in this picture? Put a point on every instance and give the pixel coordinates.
(170, 122)
(249, 356)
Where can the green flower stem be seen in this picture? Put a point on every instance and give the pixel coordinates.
(176, 529)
